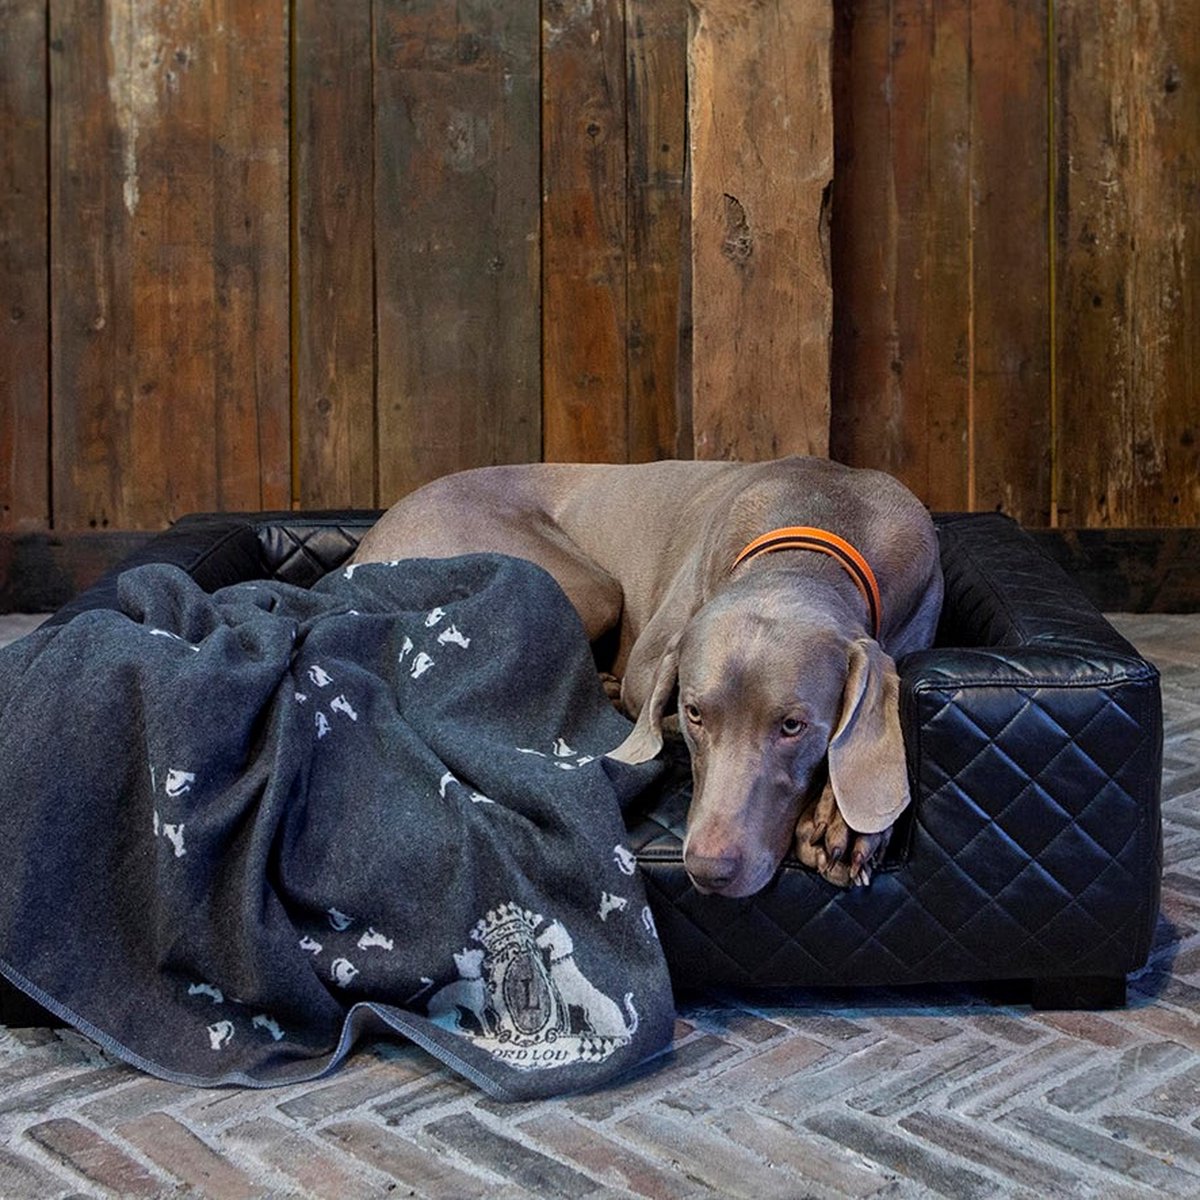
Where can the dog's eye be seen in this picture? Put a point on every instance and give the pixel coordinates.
(792, 727)
(692, 713)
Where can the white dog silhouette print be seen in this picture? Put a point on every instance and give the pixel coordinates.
(174, 835)
(338, 920)
(623, 857)
(475, 797)
(610, 904)
(178, 783)
(342, 971)
(262, 1021)
(372, 938)
(561, 752)
(220, 1034)
(648, 922)
(207, 989)
(461, 1006)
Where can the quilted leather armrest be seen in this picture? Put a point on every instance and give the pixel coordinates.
(1035, 748)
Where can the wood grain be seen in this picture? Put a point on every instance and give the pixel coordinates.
(24, 267)
(251, 255)
(170, 369)
(334, 195)
(91, 283)
(457, 255)
(584, 231)
(866, 365)
(1010, 265)
(941, 251)
(1128, 236)
(937, 201)
(761, 144)
(930, 155)
(656, 116)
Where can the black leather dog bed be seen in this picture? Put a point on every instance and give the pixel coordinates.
(1032, 849)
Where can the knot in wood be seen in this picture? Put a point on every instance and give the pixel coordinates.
(738, 243)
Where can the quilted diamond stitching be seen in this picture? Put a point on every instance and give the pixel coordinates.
(1097, 853)
(301, 555)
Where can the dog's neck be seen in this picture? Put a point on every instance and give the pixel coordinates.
(799, 585)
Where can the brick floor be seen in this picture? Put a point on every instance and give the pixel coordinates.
(938, 1091)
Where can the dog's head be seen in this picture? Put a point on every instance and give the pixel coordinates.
(768, 696)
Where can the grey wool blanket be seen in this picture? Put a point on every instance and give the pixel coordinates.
(239, 830)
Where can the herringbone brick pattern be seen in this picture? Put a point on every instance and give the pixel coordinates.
(951, 1091)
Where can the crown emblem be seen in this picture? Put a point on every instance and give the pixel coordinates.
(506, 930)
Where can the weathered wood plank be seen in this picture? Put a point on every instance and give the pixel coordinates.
(656, 116)
(1128, 228)
(24, 270)
(941, 354)
(456, 212)
(251, 255)
(942, 320)
(761, 144)
(170, 368)
(1010, 408)
(1093, 351)
(333, 173)
(584, 226)
(930, 139)
(91, 285)
(867, 401)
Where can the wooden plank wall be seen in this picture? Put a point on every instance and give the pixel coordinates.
(168, 260)
(313, 252)
(24, 271)
(1017, 200)
(760, 289)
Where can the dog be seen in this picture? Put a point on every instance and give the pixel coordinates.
(772, 598)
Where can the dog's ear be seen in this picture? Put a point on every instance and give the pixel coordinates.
(646, 738)
(867, 768)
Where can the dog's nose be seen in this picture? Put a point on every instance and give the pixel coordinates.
(713, 874)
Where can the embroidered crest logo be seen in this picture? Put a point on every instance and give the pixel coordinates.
(522, 997)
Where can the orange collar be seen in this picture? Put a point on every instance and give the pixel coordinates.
(802, 537)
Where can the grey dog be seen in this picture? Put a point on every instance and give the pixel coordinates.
(772, 597)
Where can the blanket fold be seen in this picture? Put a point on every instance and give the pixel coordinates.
(238, 829)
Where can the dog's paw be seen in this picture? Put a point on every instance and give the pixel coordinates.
(830, 847)
(612, 689)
